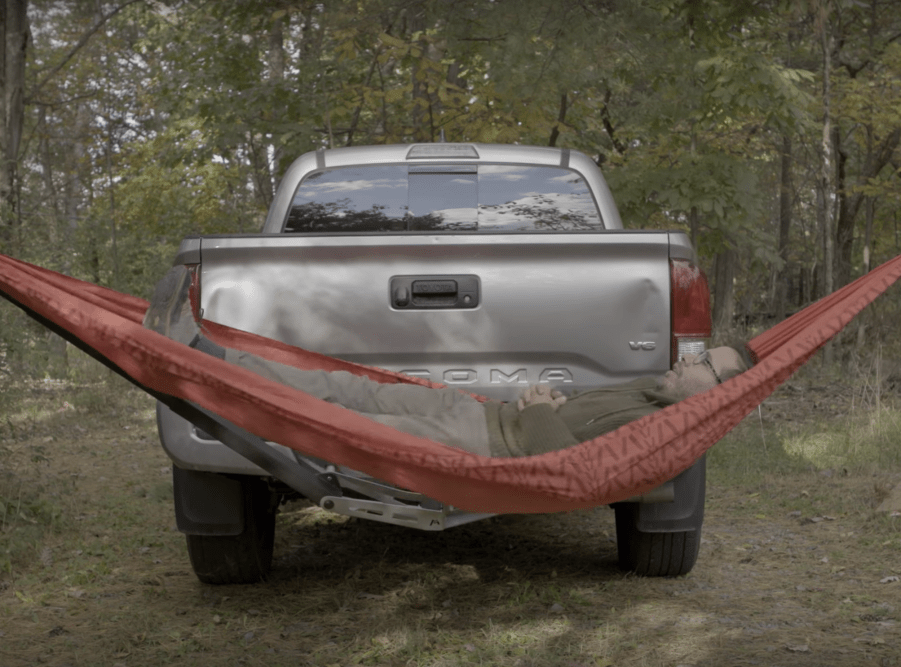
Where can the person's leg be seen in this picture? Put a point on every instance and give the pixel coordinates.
(355, 392)
(464, 426)
(443, 415)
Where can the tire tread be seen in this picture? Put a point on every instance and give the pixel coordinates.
(238, 559)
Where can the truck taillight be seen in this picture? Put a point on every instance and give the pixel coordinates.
(690, 298)
(194, 291)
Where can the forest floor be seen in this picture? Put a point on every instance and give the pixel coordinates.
(797, 566)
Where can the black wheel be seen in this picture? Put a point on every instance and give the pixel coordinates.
(662, 540)
(244, 558)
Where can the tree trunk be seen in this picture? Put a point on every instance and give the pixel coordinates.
(785, 219)
(826, 191)
(14, 32)
(421, 110)
(868, 238)
(826, 185)
(723, 293)
(276, 78)
(870, 213)
(47, 171)
(78, 189)
(694, 226)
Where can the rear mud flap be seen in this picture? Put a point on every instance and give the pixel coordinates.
(207, 503)
(685, 512)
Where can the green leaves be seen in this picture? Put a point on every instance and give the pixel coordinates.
(739, 81)
(180, 117)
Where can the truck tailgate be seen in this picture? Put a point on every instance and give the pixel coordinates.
(576, 310)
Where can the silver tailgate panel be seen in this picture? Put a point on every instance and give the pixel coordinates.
(565, 309)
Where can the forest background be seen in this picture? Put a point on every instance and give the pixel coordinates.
(769, 130)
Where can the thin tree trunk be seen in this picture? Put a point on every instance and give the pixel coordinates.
(694, 226)
(47, 170)
(276, 78)
(113, 228)
(421, 102)
(57, 348)
(694, 218)
(723, 292)
(355, 120)
(785, 220)
(110, 149)
(78, 189)
(826, 186)
(870, 209)
(14, 33)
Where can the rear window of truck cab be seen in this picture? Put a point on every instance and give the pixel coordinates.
(443, 198)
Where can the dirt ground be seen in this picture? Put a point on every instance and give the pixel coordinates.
(796, 568)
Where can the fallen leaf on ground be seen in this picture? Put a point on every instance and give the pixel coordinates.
(798, 648)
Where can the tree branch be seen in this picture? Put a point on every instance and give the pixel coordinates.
(75, 49)
(490, 40)
(608, 124)
(561, 118)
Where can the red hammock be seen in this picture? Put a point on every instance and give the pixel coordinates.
(632, 460)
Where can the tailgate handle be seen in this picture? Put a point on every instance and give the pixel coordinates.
(427, 292)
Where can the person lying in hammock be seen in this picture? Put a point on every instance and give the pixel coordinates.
(542, 420)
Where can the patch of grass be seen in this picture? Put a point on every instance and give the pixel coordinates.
(30, 509)
(750, 452)
(36, 482)
(824, 418)
(864, 441)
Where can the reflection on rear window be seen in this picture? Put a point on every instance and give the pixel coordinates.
(443, 198)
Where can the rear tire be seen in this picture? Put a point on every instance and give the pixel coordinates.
(654, 554)
(663, 552)
(245, 558)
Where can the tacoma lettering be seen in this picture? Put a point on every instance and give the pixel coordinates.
(495, 376)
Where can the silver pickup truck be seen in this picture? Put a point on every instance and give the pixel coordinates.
(484, 267)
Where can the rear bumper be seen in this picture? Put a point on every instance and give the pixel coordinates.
(181, 443)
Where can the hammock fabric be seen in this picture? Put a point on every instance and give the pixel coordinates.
(634, 459)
